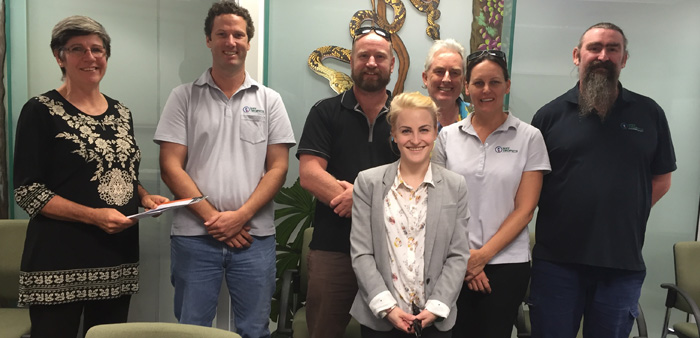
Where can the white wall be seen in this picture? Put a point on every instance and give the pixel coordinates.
(663, 46)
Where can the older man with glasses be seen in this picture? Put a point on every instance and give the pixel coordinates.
(343, 135)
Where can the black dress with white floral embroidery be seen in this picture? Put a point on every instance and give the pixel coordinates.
(90, 160)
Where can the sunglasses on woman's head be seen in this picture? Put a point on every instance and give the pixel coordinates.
(481, 53)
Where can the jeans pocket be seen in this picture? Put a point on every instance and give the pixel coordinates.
(634, 311)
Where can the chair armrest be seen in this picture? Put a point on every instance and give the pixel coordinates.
(290, 285)
(673, 292)
(520, 325)
(641, 323)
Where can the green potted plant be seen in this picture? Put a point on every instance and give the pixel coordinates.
(293, 214)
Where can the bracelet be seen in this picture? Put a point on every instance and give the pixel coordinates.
(387, 311)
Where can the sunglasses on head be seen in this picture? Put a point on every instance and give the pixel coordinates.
(368, 29)
(482, 53)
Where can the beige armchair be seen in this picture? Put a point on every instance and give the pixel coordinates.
(14, 321)
(157, 330)
(684, 295)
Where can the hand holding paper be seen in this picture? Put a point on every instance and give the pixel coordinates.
(168, 206)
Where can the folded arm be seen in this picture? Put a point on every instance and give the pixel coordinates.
(314, 178)
(226, 224)
(172, 171)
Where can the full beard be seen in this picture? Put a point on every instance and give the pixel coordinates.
(598, 90)
(370, 85)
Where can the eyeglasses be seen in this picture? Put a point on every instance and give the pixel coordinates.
(368, 29)
(481, 53)
(96, 51)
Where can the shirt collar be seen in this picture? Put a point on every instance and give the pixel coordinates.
(207, 79)
(511, 122)
(349, 101)
(463, 112)
(427, 179)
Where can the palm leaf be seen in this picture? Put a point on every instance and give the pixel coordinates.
(294, 213)
(287, 227)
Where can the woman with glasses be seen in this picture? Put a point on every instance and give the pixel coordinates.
(444, 78)
(76, 175)
(503, 160)
(409, 238)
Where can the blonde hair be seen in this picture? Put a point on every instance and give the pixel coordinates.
(414, 100)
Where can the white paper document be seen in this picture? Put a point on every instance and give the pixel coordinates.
(172, 205)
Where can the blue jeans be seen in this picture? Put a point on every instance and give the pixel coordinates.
(561, 293)
(199, 263)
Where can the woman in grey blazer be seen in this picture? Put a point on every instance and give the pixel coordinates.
(408, 240)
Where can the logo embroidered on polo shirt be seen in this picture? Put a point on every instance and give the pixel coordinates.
(247, 109)
(631, 126)
(500, 149)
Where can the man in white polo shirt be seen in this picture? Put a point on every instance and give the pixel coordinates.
(227, 137)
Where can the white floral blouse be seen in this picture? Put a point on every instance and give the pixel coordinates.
(405, 210)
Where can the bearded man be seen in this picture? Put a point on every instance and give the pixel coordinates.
(343, 135)
(612, 157)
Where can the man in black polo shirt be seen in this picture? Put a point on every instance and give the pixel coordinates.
(612, 157)
(343, 135)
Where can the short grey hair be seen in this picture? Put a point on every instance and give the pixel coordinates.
(449, 44)
(77, 25)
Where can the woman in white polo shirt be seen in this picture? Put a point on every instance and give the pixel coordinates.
(503, 160)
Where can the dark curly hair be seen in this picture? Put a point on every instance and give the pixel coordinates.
(228, 7)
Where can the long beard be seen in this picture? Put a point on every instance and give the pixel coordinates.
(598, 90)
(373, 85)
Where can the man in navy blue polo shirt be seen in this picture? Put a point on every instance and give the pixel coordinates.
(343, 135)
(612, 157)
